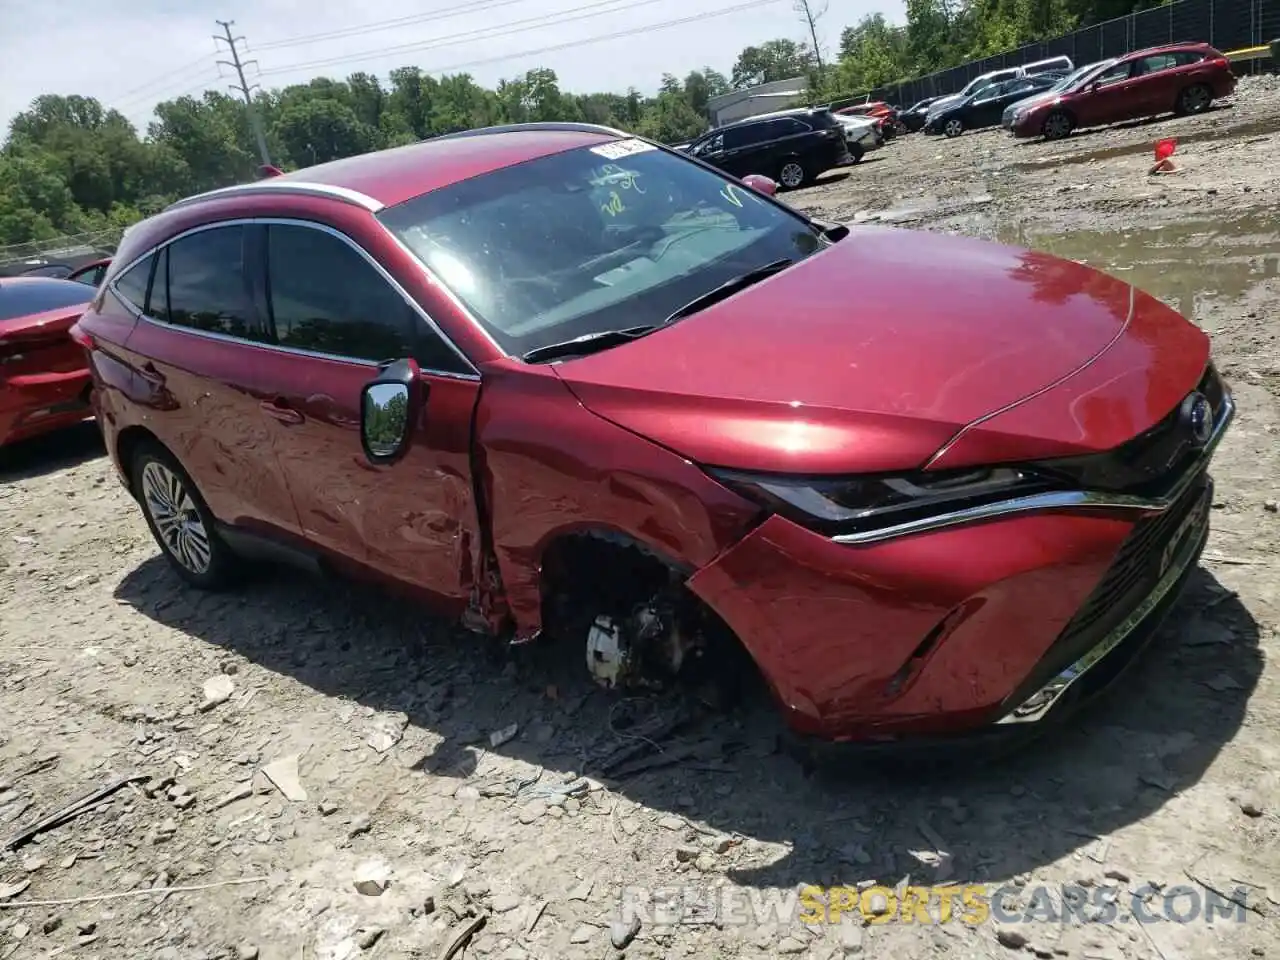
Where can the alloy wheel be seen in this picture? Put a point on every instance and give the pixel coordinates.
(1196, 99)
(1056, 126)
(953, 128)
(791, 174)
(176, 517)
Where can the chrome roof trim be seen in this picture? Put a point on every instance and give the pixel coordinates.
(281, 186)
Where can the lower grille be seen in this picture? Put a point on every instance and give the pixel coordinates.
(1133, 574)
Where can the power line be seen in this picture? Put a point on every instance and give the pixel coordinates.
(635, 31)
(180, 71)
(592, 10)
(159, 96)
(244, 88)
(380, 25)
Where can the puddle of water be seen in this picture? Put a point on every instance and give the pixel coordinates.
(1180, 263)
(921, 207)
(1257, 128)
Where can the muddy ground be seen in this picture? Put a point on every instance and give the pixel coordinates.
(105, 662)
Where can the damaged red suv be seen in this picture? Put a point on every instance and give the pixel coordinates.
(567, 384)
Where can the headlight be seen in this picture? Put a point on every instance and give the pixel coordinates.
(865, 503)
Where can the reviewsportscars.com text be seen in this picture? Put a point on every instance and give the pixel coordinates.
(971, 904)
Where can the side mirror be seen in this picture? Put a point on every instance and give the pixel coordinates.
(760, 184)
(389, 406)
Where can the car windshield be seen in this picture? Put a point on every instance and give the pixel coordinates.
(594, 239)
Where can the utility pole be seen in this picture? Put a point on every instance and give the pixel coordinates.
(811, 18)
(244, 88)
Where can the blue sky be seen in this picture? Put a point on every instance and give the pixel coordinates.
(132, 53)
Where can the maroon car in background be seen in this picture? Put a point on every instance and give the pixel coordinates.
(1178, 78)
(565, 383)
(44, 380)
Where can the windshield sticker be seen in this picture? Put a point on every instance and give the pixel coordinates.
(730, 193)
(622, 148)
(626, 179)
(613, 206)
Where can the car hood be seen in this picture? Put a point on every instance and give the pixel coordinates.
(1034, 100)
(943, 103)
(856, 360)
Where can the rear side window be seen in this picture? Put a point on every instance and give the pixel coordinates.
(325, 297)
(1185, 58)
(745, 136)
(789, 126)
(23, 299)
(1162, 61)
(131, 285)
(207, 285)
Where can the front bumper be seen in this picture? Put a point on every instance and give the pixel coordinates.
(982, 627)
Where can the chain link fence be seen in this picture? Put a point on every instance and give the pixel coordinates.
(1225, 24)
(64, 249)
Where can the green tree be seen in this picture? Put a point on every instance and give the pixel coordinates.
(770, 61)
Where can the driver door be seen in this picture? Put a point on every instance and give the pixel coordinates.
(338, 316)
(1108, 96)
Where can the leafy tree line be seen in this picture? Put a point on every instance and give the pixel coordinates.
(71, 166)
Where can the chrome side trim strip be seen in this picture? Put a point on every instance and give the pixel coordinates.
(274, 185)
(1038, 705)
(312, 225)
(1062, 500)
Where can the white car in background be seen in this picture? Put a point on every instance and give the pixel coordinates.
(862, 134)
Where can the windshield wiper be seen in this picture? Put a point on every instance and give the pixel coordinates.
(728, 289)
(587, 343)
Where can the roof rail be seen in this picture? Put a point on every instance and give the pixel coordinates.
(277, 185)
(548, 126)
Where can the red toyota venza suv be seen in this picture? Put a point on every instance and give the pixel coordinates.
(562, 382)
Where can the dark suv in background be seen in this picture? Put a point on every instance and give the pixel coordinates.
(791, 147)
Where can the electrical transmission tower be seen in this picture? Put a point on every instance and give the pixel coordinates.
(244, 88)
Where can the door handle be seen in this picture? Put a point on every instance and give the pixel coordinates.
(280, 410)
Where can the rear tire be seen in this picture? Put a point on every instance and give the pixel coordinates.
(1194, 99)
(856, 152)
(791, 174)
(1058, 125)
(180, 520)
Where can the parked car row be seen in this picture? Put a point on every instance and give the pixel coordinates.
(1180, 78)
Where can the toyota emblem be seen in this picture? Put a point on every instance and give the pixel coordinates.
(1197, 415)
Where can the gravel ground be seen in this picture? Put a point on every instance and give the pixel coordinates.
(325, 745)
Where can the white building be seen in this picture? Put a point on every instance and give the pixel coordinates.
(753, 101)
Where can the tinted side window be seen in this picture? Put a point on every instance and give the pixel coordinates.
(744, 136)
(1162, 61)
(326, 297)
(1185, 58)
(1117, 73)
(132, 284)
(207, 285)
(790, 126)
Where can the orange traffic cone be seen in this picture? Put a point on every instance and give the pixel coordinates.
(1164, 156)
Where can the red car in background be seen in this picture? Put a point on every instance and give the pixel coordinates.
(889, 123)
(1179, 78)
(91, 273)
(640, 408)
(44, 380)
